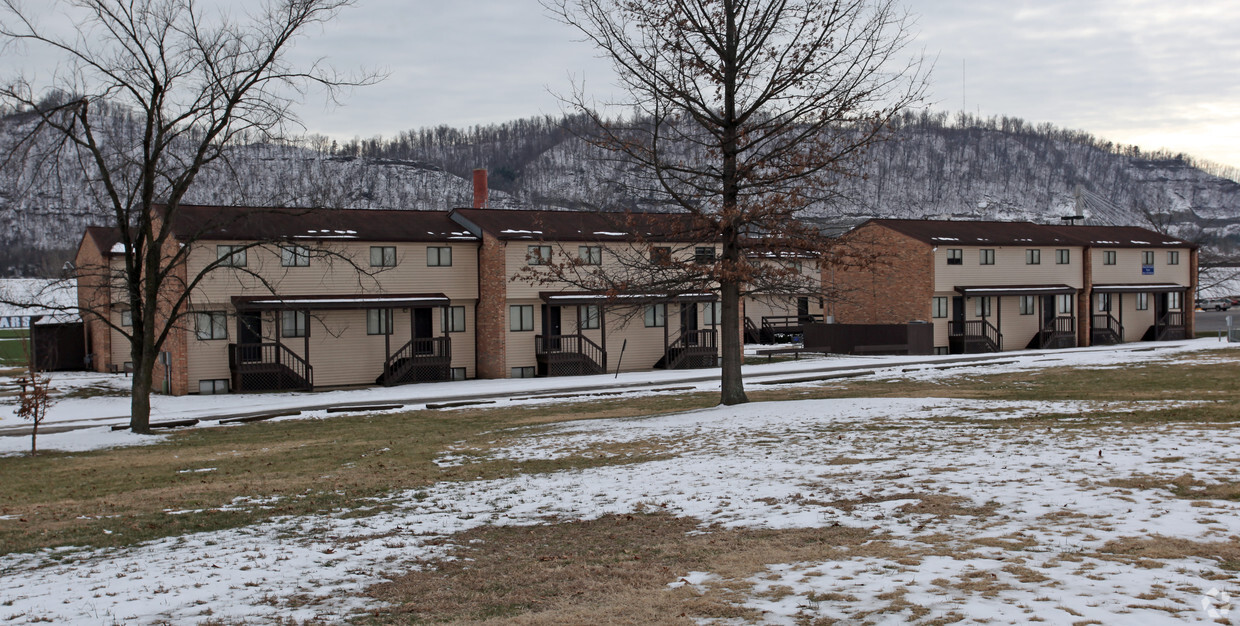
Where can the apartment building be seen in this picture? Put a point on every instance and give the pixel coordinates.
(321, 298)
(994, 286)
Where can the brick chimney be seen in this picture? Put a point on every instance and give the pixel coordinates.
(480, 189)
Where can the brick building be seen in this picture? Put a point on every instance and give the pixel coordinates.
(993, 286)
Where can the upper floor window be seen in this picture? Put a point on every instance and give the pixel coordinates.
(127, 318)
(438, 256)
(1033, 256)
(1108, 257)
(230, 256)
(661, 255)
(383, 256)
(1173, 257)
(538, 255)
(938, 306)
(955, 256)
(590, 255)
(986, 256)
(704, 255)
(1147, 257)
(211, 325)
(1063, 256)
(294, 256)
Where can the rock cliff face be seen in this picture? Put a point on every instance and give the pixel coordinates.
(997, 168)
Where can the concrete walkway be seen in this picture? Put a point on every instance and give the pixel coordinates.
(424, 394)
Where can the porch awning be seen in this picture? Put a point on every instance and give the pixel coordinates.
(1015, 290)
(1142, 288)
(354, 301)
(560, 298)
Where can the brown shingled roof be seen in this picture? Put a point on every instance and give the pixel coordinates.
(583, 226)
(262, 223)
(985, 233)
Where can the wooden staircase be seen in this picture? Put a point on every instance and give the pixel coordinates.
(974, 337)
(569, 355)
(692, 349)
(422, 360)
(268, 367)
(1058, 333)
(1105, 330)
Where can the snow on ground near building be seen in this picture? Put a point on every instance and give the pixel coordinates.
(1029, 515)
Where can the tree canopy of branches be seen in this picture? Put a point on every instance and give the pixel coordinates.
(745, 112)
(192, 85)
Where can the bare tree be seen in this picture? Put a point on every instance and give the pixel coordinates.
(744, 113)
(148, 94)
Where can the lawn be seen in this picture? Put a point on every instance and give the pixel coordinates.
(13, 347)
(1065, 494)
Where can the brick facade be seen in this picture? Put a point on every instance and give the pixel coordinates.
(880, 277)
(94, 294)
(492, 315)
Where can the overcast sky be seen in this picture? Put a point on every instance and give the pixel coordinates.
(1156, 73)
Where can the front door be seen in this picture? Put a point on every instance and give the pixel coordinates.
(423, 328)
(1048, 310)
(552, 327)
(802, 310)
(957, 325)
(250, 336)
(689, 322)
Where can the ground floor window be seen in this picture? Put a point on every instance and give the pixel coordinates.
(588, 316)
(1028, 304)
(456, 373)
(213, 386)
(942, 350)
(983, 308)
(522, 372)
(938, 306)
(711, 315)
(1104, 303)
(378, 321)
(521, 317)
(1175, 300)
(293, 323)
(212, 325)
(1063, 303)
(656, 315)
(454, 319)
(1143, 302)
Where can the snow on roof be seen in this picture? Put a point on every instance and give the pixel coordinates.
(609, 234)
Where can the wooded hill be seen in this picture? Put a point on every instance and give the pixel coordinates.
(934, 165)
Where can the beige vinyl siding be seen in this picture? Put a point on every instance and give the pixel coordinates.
(941, 330)
(756, 307)
(1009, 268)
(521, 351)
(1017, 329)
(120, 343)
(1127, 268)
(208, 359)
(1135, 322)
(336, 274)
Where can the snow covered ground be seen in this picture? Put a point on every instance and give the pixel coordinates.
(1000, 523)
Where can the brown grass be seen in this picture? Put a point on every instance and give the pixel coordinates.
(612, 570)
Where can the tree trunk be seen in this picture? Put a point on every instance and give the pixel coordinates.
(732, 387)
(140, 398)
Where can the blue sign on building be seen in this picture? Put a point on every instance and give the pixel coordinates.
(1147, 270)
